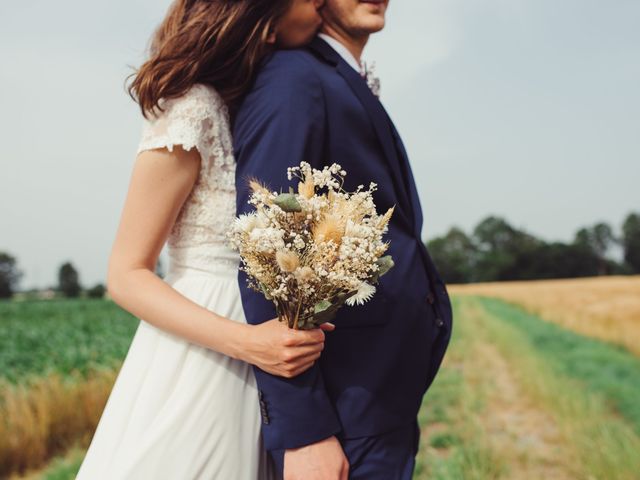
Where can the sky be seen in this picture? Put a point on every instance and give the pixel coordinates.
(526, 109)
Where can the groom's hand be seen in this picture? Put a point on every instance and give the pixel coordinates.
(324, 460)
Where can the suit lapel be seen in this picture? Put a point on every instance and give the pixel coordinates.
(379, 119)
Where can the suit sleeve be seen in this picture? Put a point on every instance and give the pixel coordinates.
(280, 123)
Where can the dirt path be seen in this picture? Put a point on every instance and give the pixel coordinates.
(525, 435)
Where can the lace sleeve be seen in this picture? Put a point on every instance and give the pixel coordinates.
(186, 120)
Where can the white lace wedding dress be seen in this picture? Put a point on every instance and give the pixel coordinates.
(177, 410)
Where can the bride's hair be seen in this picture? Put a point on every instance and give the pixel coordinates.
(217, 42)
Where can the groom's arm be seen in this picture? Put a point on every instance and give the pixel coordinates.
(280, 123)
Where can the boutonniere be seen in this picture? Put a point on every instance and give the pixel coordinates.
(368, 73)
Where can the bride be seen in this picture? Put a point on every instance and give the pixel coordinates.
(185, 403)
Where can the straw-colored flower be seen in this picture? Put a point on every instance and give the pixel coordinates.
(307, 189)
(287, 260)
(384, 219)
(331, 227)
(260, 191)
(304, 274)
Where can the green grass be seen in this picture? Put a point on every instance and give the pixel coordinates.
(40, 337)
(588, 389)
(455, 445)
(558, 369)
(64, 467)
(607, 370)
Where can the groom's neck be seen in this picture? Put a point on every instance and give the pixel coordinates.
(355, 44)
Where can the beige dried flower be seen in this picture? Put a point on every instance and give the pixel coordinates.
(259, 187)
(304, 274)
(331, 227)
(287, 260)
(384, 220)
(307, 189)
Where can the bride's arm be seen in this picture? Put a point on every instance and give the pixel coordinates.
(160, 183)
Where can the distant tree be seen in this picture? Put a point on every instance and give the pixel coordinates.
(455, 256)
(9, 275)
(599, 238)
(501, 249)
(97, 291)
(631, 241)
(68, 281)
(558, 260)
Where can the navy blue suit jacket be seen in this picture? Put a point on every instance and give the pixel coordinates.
(310, 105)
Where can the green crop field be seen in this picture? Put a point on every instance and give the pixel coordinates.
(517, 397)
(42, 337)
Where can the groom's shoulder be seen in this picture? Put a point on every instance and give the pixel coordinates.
(297, 64)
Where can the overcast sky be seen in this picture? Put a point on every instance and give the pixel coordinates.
(528, 109)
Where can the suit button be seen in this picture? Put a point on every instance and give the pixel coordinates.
(439, 322)
(431, 298)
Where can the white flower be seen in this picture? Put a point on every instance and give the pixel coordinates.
(356, 230)
(246, 222)
(267, 240)
(365, 292)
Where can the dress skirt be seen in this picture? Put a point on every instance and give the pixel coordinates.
(177, 410)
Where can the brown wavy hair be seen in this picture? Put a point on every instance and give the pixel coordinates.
(216, 42)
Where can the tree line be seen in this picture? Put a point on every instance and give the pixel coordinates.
(68, 280)
(498, 251)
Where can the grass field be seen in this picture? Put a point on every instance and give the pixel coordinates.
(517, 397)
(521, 398)
(607, 308)
(58, 362)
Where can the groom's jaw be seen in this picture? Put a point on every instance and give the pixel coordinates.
(355, 18)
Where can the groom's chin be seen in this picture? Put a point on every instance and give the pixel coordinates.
(372, 21)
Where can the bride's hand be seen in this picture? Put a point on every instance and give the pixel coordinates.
(280, 350)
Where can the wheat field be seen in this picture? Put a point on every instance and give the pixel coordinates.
(607, 308)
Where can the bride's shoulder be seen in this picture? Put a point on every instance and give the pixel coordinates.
(200, 100)
(199, 94)
(204, 90)
(205, 93)
(187, 119)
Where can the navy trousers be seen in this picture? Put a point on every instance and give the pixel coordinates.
(389, 456)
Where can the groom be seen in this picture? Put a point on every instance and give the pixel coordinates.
(356, 409)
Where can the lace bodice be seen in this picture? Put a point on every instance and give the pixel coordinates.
(198, 119)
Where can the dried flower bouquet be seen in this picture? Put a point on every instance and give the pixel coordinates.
(313, 250)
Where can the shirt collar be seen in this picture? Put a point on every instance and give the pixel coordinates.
(342, 50)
